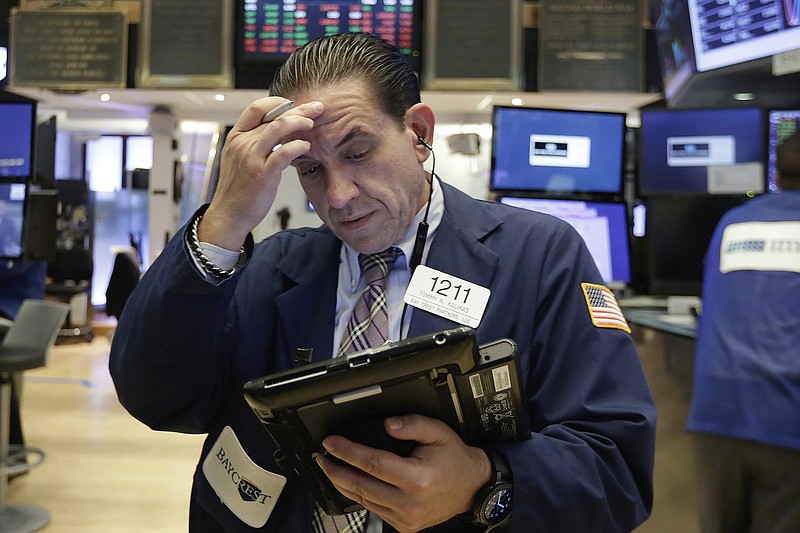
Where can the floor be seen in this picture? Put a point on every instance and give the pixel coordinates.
(107, 473)
(668, 362)
(104, 471)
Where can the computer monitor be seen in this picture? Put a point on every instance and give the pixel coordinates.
(13, 204)
(42, 225)
(603, 226)
(269, 30)
(729, 33)
(782, 124)
(677, 233)
(673, 35)
(701, 151)
(557, 151)
(16, 138)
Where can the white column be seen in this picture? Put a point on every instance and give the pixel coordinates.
(162, 211)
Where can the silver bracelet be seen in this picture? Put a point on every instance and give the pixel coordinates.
(205, 262)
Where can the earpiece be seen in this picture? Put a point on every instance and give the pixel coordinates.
(423, 142)
(422, 229)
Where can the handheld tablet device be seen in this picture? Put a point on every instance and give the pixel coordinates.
(476, 390)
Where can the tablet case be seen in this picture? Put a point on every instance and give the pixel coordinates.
(445, 375)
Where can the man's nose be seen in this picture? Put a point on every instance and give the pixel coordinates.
(341, 190)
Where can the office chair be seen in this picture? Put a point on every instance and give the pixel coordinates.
(124, 278)
(71, 273)
(25, 346)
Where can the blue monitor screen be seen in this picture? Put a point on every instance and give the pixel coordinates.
(12, 210)
(701, 151)
(557, 150)
(16, 139)
(603, 226)
(782, 124)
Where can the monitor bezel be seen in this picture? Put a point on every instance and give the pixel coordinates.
(611, 196)
(639, 183)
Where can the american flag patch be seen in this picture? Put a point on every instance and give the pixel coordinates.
(603, 307)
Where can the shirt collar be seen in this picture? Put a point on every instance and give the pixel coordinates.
(349, 257)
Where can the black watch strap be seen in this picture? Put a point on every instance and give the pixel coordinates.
(496, 493)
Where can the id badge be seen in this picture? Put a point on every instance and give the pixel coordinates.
(447, 296)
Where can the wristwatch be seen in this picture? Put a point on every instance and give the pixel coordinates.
(493, 500)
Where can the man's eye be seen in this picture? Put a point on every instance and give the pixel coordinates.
(357, 157)
(309, 171)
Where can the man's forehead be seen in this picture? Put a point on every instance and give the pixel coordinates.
(336, 140)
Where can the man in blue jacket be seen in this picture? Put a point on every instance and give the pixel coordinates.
(215, 311)
(745, 409)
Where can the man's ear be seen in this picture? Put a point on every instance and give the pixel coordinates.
(419, 121)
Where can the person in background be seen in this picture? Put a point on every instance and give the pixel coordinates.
(745, 409)
(215, 311)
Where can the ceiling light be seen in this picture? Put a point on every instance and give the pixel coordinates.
(105, 97)
(219, 97)
(744, 97)
(516, 101)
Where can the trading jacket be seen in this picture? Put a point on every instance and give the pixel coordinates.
(747, 369)
(184, 348)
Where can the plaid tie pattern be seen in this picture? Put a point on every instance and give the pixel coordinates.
(369, 323)
(368, 326)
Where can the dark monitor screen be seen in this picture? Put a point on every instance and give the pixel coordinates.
(12, 219)
(677, 233)
(16, 138)
(550, 150)
(782, 124)
(701, 151)
(45, 159)
(603, 226)
(272, 29)
(42, 225)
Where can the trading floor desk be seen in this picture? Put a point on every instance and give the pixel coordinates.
(666, 347)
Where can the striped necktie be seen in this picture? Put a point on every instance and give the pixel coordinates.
(369, 323)
(368, 326)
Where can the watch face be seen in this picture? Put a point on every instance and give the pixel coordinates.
(497, 506)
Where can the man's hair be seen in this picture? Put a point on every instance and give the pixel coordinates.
(788, 162)
(336, 58)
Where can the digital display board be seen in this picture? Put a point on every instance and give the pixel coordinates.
(551, 150)
(272, 29)
(728, 32)
(782, 124)
(603, 226)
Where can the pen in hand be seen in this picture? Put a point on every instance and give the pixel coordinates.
(277, 111)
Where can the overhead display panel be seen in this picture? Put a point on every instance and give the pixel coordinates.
(186, 43)
(275, 28)
(728, 32)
